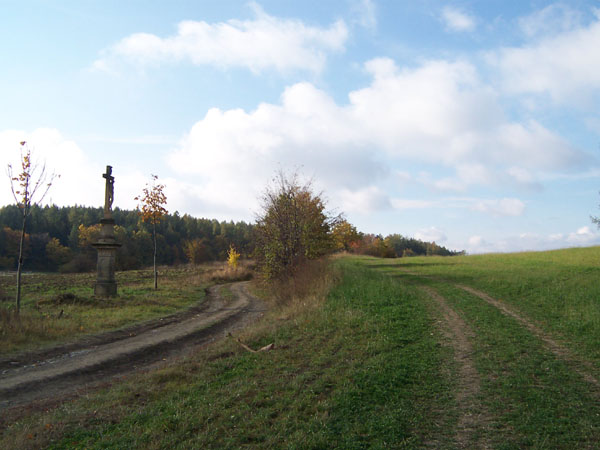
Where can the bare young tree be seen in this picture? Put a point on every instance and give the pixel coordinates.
(151, 209)
(29, 186)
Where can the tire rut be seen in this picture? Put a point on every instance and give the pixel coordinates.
(557, 349)
(473, 415)
(582, 367)
(66, 373)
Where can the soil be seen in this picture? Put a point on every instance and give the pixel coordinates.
(47, 377)
(473, 416)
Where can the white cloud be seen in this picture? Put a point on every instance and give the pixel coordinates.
(457, 20)
(554, 18)
(80, 179)
(503, 207)
(495, 207)
(523, 178)
(263, 43)
(60, 155)
(431, 234)
(364, 200)
(466, 175)
(403, 203)
(583, 237)
(564, 65)
(437, 114)
(365, 13)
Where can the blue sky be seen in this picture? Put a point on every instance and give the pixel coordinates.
(471, 123)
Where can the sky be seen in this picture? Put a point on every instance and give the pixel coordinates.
(474, 124)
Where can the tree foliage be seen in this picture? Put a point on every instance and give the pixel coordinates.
(196, 250)
(75, 227)
(292, 227)
(397, 246)
(345, 236)
(595, 220)
(152, 200)
(232, 257)
(151, 209)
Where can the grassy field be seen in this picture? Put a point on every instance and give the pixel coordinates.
(361, 361)
(360, 369)
(58, 308)
(558, 289)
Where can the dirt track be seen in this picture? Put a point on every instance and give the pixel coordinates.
(65, 370)
(473, 415)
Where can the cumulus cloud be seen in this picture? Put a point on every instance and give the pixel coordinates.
(456, 20)
(265, 42)
(60, 155)
(364, 200)
(80, 179)
(438, 114)
(564, 65)
(583, 236)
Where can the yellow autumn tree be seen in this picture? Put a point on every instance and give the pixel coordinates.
(151, 209)
(232, 257)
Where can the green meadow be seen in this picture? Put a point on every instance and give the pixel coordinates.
(559, 289)
(361, 360)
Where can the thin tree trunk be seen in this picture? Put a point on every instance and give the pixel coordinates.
(20, 265)
(155, 272)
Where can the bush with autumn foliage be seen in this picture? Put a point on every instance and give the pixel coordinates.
(293, 227)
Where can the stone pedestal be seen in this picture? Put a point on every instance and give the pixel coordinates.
(106, 284)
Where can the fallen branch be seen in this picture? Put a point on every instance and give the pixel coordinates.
(266, 348)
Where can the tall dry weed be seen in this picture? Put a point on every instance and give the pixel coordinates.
(14, 328)
(309, 285)
(223, 273)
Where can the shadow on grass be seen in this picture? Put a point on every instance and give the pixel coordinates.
(395, 271)
(406, 265)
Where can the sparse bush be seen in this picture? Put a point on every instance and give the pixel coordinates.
(292, 228)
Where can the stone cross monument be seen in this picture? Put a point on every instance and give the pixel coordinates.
(106, 284)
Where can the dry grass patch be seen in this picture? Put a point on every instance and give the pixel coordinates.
(220, 272)
(57, 308)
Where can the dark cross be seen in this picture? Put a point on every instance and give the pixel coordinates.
(109, 194)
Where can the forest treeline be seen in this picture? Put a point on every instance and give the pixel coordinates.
(61, 238)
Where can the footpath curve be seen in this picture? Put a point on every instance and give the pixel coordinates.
(65, 370)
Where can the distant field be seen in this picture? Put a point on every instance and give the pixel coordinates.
(492, 351)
